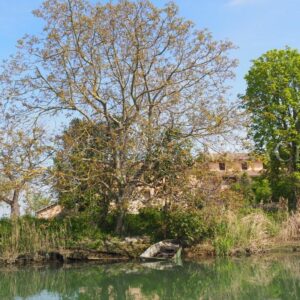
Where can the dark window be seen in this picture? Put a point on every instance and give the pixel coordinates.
(244, 166)
(222, 166)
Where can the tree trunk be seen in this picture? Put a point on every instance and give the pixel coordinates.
(103, 213)
(122, 208)
(292, 203)
(15, 206)
(120, 221)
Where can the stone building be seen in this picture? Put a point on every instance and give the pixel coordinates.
(231, 166)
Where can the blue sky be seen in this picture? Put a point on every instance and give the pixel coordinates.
(255, 26)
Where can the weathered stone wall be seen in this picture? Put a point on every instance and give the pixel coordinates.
(49, 213)
(254, 167)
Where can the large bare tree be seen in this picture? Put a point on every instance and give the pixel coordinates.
(136, 69)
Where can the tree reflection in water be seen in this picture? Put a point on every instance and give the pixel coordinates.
(276, 277)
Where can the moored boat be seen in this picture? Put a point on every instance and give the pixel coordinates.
(164, 250)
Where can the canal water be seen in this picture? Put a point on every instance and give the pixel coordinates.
(265, 277)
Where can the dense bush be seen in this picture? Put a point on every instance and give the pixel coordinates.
(184, 225)
(148, 222)
(187, 226)
(262, 190)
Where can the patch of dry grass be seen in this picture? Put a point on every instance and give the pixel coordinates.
(251, 231)
(290, 229)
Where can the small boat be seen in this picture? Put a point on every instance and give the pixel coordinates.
(164, 250)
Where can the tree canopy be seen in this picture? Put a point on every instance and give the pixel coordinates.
(273, 100)
(138, 70)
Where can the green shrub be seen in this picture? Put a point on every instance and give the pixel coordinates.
(262, 190)
(186, 225)
(149, 221)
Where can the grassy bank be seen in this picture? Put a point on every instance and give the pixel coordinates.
(219, 232)
(208, 231)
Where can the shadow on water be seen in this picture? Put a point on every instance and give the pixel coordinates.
(276, 277)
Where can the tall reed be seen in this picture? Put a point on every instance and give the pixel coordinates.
(28, 236)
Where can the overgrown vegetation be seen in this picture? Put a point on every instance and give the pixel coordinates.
(141, 101)
(29, 235)
(228, 230)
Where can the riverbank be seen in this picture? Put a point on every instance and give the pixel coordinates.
(206, 250)
(129, 249)
(111, 251)
(29, 240)
(203, 234)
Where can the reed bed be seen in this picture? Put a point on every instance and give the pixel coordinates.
(29, 236)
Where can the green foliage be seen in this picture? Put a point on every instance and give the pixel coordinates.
(86, 184)
(262, 190)
(272, 94)
(82, 230)
(36, 201)
(28, 235)
(253, 190)
(272, 99)
(223, 240)
(285, 185)
(187, 226)
(148, 222)
(78, 166)
(223, 245)
(244, 186)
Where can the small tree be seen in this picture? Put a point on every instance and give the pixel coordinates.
(81, 165)
(21, 163)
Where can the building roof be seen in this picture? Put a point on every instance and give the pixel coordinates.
(230, 156)
(46, 208)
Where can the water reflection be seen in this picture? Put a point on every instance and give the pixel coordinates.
(276, 277)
